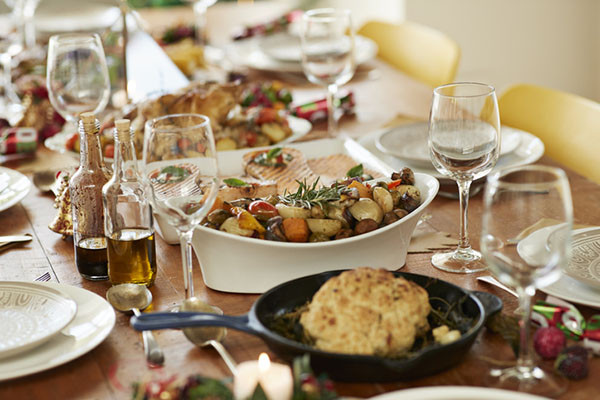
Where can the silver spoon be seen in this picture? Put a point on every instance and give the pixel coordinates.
(131, 297)
(44, 180)
(207, 336)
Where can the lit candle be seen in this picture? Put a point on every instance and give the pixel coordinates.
(275, 379)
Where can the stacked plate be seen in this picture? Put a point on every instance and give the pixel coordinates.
(48, 324)
(406, 145)
(281, 52)
(580, 280)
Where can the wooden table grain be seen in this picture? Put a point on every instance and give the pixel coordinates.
(108, 371)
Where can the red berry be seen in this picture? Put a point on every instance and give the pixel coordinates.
(572, 362)
(549, 341)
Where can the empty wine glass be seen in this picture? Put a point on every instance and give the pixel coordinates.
(77, 75)
(24, 11)
(180, 164)
(515, 200)
(11, 107)
(464, 144)
(327, 38)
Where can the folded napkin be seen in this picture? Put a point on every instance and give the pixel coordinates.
(426, 240)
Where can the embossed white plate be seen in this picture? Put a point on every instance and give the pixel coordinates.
(585, 257)
(93, 322)
(31, 314)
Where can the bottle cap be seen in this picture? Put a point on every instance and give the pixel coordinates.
(122, 124)
(87, 117)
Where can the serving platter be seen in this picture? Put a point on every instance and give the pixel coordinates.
(92, 323)
(31, 314)
(409, 142)
(299, 126)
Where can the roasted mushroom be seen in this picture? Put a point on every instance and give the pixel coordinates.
(366, 209)
(406, 175)
(274, 230)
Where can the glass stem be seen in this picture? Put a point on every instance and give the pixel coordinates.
(332, 127)
(463, 193)
(525, 361)
(185, 240)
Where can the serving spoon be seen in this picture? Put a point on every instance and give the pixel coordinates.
(207, 336)
(131, 297)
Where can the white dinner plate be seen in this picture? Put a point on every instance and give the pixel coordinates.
(565, 287)
(14, 186)
(299, 126)
(93, 322)
(528, 151)
(409, 142)
(584, 265)
(251, 53)
(30, 314)
(456, 393)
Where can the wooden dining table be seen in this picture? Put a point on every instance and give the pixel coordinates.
(383, 96)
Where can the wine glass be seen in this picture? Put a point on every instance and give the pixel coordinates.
(11, 107)
(23, 11)
(515, 199)
(180, 165)
(464, 144)
(77, 75)
(327, 40)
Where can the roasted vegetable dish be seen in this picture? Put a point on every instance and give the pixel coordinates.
(318, 213)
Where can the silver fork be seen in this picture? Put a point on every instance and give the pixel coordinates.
(45, 277)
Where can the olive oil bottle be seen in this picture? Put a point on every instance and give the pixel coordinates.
(85, 187)
(128, 222)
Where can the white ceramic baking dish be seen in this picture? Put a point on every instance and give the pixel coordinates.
(238, 264)
(232, 263)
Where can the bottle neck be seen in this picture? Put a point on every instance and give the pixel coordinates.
(125, 163)
(90, 153)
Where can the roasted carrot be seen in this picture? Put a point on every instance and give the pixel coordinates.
(296, 229)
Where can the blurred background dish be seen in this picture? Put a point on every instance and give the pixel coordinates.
(528, 151)
(251, 53)
(409, 142)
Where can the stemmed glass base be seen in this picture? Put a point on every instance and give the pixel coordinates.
(459, 261)
(534, 380)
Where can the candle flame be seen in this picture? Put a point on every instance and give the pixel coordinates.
(264, 363)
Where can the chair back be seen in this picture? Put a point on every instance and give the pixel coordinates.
(419, 51)
(569, 125)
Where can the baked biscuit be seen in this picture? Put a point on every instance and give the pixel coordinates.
(367, 311)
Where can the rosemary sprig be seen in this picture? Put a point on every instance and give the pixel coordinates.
(308, 196)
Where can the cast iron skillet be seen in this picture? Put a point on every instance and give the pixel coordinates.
(341, 367)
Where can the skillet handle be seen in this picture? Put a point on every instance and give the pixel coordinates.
(492, 304)
(176, 320)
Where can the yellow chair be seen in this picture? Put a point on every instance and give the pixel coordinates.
(568, 125)
(417, 50)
